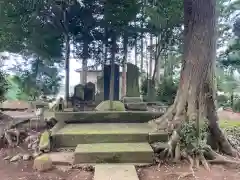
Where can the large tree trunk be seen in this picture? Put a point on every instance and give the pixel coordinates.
(195, 98)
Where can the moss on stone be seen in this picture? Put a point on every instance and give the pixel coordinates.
(44, 143)
(104, 106)
(107, 116)
(132, 100)
(43, 157)
(42, 163)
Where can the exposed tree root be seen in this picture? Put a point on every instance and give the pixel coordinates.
(183, 174)
(13, 137)
(204, 157)
(204, 162)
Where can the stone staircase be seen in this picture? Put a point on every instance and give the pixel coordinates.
(108, 142)
(113, 142)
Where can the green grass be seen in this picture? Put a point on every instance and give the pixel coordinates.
(229, 123)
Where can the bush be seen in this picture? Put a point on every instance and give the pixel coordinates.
(223, 101)
(167, 91)
(236, 105)
(144, 87)
(3, 86)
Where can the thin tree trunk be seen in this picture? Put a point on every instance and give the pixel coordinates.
(142, 44)
(84, 63)
(103, 56)
(105, 47)
(158, 59)
(150, 67)
(171, 60)
(195, 98)
(67, 54)
(113, 52)
(155, 61)
(124, 70)
(151, 56)
(136, 45)
(147, 61)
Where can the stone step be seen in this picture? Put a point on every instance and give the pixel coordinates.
(115, 172)
(73, 134)
(107, 116)
(113, 153)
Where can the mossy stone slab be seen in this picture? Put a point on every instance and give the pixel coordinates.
(113, 153)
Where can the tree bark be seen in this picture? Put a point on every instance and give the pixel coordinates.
(196, 91)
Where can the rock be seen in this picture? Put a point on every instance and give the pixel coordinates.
(31, 138)
(64, 168)
(34, 146)
(7, 158)
(36, 154)
(104, 106)
(16, 158)
(30, 146)
(43, 163)
(132, 100)
(26, 157)
(44, 144)
(141, 106)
